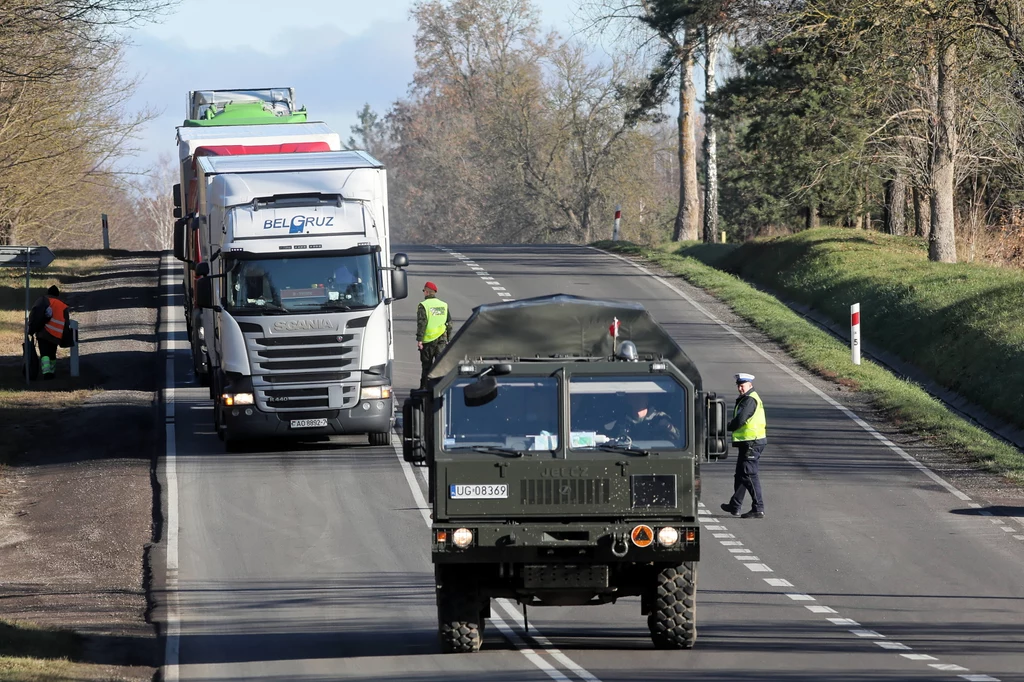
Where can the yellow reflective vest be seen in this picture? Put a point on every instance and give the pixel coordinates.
(437, 319)
(756, 427)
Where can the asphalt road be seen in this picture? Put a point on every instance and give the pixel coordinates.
(311, 562)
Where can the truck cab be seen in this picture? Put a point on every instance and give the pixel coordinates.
(296, 294)
(564, 466)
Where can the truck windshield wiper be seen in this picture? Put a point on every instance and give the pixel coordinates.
(492, 449)
(266, 308)
(628, 449)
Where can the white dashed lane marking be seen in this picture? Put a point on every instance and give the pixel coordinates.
(741, 553)
(477, 269)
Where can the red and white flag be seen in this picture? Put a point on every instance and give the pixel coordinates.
(613, 328)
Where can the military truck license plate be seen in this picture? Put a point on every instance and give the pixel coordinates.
(308, 423)
(478, 492)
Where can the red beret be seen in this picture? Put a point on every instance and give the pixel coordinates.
(431, 286)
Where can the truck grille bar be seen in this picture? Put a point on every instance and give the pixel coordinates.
(304, 371)
(564, 491)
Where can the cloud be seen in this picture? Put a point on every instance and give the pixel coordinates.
(333, 74)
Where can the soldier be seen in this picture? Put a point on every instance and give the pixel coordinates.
(433, 329)
(749, 435)
(644, 422)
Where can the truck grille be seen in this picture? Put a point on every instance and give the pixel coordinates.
(564, 491)
(304, 371)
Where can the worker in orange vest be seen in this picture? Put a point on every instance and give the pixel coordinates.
(48, 320)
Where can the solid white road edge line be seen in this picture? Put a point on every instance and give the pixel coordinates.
(960, 495)
(172, 634)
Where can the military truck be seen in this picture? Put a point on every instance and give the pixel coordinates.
(563, 439)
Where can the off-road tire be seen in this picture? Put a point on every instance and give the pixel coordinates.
(380, 438)
(673, 618)
(459, 622)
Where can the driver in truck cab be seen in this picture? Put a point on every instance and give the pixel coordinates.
(641, 421)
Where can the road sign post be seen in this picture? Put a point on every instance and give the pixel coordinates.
(106, 233)
(28, 257)
(855, 333)
(618, 219)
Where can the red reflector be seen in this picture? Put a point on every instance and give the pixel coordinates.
(855, 318)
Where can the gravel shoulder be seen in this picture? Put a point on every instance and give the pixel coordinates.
(76, 505)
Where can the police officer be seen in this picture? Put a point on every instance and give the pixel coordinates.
(749, 435)
(433, 328)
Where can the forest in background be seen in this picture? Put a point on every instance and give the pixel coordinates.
(697, 117)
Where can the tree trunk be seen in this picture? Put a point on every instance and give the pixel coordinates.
(813, 215)
(711, 40)
(942, 240)
(687, 215)
(922, 213)
(896, 204)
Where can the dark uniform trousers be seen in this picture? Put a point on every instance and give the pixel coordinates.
(428, 355)
(747, 477)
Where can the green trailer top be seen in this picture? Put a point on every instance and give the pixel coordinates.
(245, 114)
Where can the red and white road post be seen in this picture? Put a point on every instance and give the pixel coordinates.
(855, 332)
(618, 219)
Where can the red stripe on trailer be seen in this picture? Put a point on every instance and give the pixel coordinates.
(243, 149)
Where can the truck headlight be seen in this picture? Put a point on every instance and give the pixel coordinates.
(374, 392)
(462, 538)
(668, 536)
(238, 399)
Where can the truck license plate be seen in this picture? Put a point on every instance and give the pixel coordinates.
(478, 492)
(308, 423)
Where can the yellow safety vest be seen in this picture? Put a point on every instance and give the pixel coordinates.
(437, 319)
(756, 426)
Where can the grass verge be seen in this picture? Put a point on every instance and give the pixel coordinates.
(25, 411)
(904, 403)
(32, 654)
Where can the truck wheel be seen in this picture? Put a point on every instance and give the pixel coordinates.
(673, 620)
(380, 438)
(459, 621)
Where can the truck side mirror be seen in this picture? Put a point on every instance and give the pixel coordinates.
(399, 285)
(717, 443)
(480, 392)
(204, 291)
(176, 191)
(179, 239)
(400, 260)
(414, 448)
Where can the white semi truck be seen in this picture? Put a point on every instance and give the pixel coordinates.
(295, 293)
(233, 123)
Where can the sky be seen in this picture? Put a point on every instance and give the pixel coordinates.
(337, 54)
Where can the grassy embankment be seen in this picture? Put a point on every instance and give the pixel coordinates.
(27, 653)
(961, 324)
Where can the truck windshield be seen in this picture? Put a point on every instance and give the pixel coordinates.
(302, 285)
(647, 413)
(523, 416)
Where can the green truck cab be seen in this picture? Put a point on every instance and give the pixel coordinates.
(564, 464)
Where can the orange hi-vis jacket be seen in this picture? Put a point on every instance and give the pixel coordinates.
(55, 327)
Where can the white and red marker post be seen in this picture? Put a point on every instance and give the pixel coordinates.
(618, 219)
(613, 329)
(855, 332)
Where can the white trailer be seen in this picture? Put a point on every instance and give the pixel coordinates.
(296, 294)
(228, 140)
